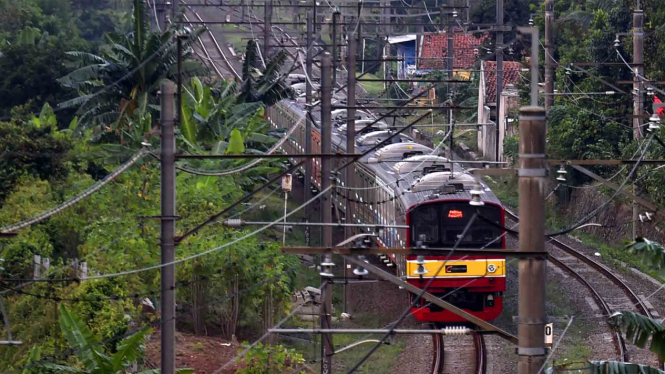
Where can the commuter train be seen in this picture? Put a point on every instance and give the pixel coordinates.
(407, 183)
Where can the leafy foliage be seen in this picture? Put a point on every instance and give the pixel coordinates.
(266, 86)
(31, 147)
(262, 359)
(651, 253)
(604, 367)
(639, 329)
(128, 67)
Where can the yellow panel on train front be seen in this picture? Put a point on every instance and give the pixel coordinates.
(461, 268)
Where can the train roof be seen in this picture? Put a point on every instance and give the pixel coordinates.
(385, 172)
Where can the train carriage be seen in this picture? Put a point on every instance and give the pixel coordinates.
(386, 196)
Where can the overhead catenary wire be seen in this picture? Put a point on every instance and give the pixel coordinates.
(209, 251)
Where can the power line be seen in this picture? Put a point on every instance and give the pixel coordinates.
(94, 188)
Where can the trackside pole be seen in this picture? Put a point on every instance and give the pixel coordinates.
(532, 185)
(168, 227)
(326, 210)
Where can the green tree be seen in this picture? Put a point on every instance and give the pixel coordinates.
(267, 86)
(91, 353)
(129, 69)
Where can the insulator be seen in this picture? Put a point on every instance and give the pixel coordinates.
(456, 330)
(420, 260)
(653, 126)
(531, 21)
(233, 222)
(454, 13)
(654, 118)
(617, 42)
(327, 261)
(511, 51)
(421, 270)
(326, 273)
(359, 270)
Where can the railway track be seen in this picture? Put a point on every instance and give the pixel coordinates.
(459, 363)
(214, 54)
(605, 297)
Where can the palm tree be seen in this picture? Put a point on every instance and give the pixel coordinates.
(128, 70)
(91, 353)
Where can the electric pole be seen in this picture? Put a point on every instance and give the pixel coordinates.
(160, 6)
(638, 104)
(326, 210)
(168, 227)
(499, 74)
(532, 177)
(308, 121)
(450, 66)
(549, 54)
(350, 140)
(335, 46)
(267, 29)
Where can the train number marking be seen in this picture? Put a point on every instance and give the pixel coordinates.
(455, 268)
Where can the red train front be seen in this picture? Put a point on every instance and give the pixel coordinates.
(473, 283)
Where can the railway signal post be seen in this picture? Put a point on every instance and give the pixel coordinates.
(532, 174)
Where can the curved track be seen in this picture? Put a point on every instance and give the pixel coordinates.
(607, 273)
(438, 356)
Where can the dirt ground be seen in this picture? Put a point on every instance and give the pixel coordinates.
(204, 354)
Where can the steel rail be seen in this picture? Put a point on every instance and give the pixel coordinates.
(617, 337)
(438, 358)
(481, 353)
(214, 40)
(205, 50)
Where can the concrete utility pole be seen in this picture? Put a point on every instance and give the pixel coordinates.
(168, 226)
(335, 46)
(326, 207)
(450, 65)
(638, 87)
(549, 54)
(308, 121)
(499, 74)
(532, 184)
(267, 29)
(160, 6)
(350, 139)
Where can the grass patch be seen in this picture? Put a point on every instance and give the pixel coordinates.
(233, 37)
(373, 88)
(380, 362)
(505, 188)
(468, 138)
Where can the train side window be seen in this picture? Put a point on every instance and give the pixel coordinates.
(425, 222)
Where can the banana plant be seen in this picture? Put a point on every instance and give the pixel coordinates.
(92, 354)
(603, 367)
(641, 329)
(651, 253)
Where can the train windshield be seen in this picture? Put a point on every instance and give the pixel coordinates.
(441, 225)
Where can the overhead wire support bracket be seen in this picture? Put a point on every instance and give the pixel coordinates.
(243, 156)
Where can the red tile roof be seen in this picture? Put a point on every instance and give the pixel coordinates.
(436, 45)
(511, 73)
